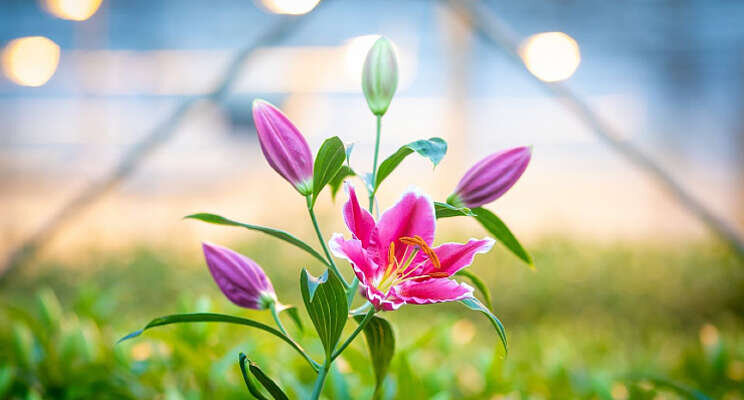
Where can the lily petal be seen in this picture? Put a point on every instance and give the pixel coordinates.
(433, 290)
(456, 256)
(412, 215)
(359, 221)
(353, 251)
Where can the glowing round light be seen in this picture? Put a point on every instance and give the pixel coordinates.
(292, 7)
(76, 10)
(551, 56)
(30, 61)
(355, 51)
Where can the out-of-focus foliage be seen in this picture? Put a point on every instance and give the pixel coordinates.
(622, 321)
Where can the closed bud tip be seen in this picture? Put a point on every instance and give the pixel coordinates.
(380, 76)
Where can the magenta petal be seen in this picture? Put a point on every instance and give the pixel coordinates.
(283, 145)
(434, 290)
(351, 250)
(456, 256)
(359, 221)
(412, 215)
(492, 176)
(241, 280)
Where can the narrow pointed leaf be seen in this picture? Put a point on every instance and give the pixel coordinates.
(349, 148)
(286, 236)
(434, 149)
(212, 317)
(444, 210)
(337, 180)
(381, 345)
(294, 315)
(474, 304)
(501, 232)
(478, 282)
(325, 300)
(249, 382)
(329, 160)
(274, 390)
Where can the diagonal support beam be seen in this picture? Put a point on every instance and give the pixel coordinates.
(495, 31)
(137, 154)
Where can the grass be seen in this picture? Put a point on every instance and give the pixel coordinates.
(617, 321)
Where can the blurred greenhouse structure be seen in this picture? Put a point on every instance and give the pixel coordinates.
(668, 75)
(628, 281)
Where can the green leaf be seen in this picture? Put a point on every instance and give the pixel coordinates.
(381, 345)
(348, 153)
(329, 160)
(274, 390)
(252, 387)
(337, 180)
(212, 317)
(475, 305)
(501, 232)
(325, 300)
(444, 210)
(478, 282)
(286, 236)
(434, 149)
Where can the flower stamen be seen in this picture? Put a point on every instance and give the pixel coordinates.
(398, 272)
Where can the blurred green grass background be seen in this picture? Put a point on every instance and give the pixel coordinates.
(621, 320)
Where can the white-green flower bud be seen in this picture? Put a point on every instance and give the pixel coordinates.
(380, 76)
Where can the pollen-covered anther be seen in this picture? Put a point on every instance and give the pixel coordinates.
(419, 243)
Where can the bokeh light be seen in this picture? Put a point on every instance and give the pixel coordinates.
(30, 61)
(75, 10)
(292, 7)
(551, 56)
(355, 51)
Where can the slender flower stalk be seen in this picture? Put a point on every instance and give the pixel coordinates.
(320, 380)
(332, 263)
(284, 147)
(374, 163)
(277, 320)
(490, 178)
(367, 318)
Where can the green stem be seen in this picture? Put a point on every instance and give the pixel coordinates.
(367, 318)
(361, 308)
(374, 164)
(333, 266)
(318, 387)
(275, 314)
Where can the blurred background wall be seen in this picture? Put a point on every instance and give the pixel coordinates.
(668, 74)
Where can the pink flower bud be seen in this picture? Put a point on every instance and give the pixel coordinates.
(490, 177)
(241, 280)
(284, 147)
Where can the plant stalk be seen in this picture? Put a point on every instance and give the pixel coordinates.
(374, 164)
(318, 387)
(333, 266)
(275, 314)
(367, 318)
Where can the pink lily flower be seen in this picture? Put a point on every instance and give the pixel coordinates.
(284, 147)
(393, 257)
(239, 278)
(491, 177)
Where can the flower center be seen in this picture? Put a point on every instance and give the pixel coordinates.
(398, 272)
